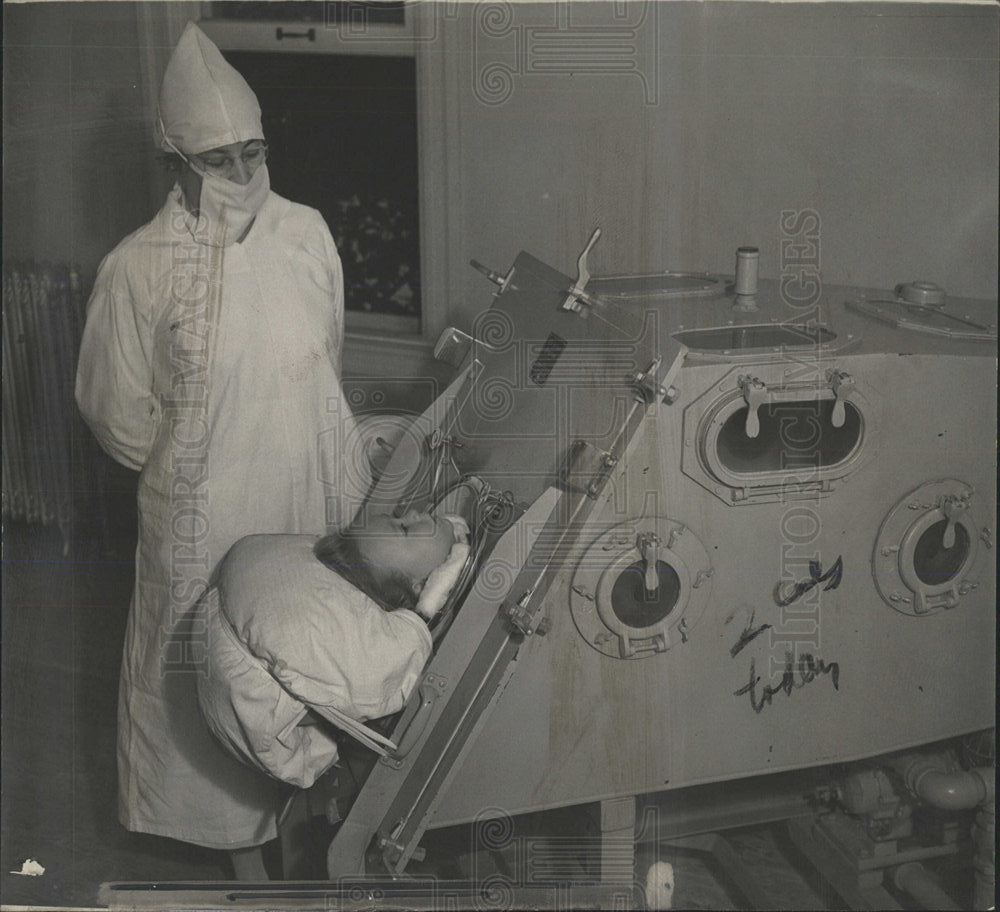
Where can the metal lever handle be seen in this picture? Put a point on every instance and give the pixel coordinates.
(842, 384)
(953, 507)
(502, 280)
(582, 272)
(648, 545)
(486, 271)
(755, 394)
(582, 275)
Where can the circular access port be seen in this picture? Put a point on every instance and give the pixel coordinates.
(637, 607)
(935, 564)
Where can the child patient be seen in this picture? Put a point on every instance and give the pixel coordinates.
(284, 635)
(407, 562)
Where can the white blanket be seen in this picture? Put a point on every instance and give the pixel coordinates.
(285, 634)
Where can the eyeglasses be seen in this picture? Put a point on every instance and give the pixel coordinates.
(219, 164)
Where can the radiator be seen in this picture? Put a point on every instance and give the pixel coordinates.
(44, 444)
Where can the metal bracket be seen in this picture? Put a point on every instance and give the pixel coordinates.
(502, 280)
(453, 347)
(521, 615)
(392, 851)
(648, 388)
(587, 468)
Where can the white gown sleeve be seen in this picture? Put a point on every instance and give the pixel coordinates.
(114, 379)
(320, 243)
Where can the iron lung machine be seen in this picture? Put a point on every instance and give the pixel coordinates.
(732, 531)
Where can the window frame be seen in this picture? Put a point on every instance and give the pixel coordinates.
(366, 334)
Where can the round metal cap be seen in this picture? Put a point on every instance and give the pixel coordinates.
(927, 294)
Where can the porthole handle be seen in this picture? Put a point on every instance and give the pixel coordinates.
(755, 393)
(953, 507)
(842, 384)
(647, 544)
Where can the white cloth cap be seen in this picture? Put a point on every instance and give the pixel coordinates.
(204, 102)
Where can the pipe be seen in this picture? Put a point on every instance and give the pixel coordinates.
(913, 878)
(959, 790)
(983, 837)
(955, 790)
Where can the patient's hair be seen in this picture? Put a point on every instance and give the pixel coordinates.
(341, 554)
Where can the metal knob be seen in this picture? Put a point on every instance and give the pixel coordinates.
(925, 294)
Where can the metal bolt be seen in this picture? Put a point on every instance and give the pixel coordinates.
(701, 577)
(890, 549)
(610, 460)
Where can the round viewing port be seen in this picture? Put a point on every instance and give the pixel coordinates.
(637, 607)
(935, 564)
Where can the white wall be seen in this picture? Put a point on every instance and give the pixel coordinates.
(75, 171)
(882, 117)
(79, 166)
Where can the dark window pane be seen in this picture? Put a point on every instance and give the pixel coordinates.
(342, 133)
(634, 605)
(933, 562)
(793, 436)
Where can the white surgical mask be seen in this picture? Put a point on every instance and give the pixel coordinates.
(226, 209)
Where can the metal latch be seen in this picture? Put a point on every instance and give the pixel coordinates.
(647, 386)
(842, 384)
(576, 296)
(647, 544)
(522, 615)
(587, 468)
(953, 508)
(502, 280)
(453, 347)
(755, 393)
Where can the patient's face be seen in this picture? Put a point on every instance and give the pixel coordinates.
(413, 544)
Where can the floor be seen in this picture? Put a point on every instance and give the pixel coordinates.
(63, 626)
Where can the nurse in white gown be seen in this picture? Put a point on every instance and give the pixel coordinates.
(210, 362)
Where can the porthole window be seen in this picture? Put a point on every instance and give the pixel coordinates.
(638, 607)
(610, 601)
(927, 547)
(757, 437)
(789, 432)
(935, 562)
